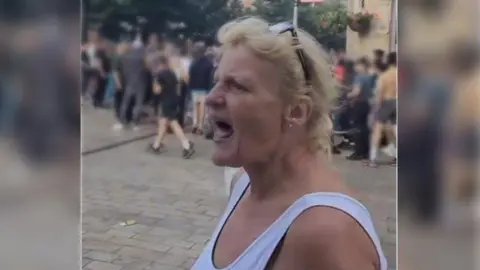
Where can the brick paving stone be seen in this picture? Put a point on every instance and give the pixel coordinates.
(136, 265)
(99, 245)
(100, 133)
(85, 261)
(101, 256)
(176, 203)
(158, 266)
(95, 265)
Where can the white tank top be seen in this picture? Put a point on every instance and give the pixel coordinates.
(257, 255)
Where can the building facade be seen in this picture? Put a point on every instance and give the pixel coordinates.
(383, 33)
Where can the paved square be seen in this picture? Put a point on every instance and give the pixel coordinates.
(175, 203)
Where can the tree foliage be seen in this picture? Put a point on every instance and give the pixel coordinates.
(327, 21)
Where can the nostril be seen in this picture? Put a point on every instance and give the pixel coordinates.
(214, 99)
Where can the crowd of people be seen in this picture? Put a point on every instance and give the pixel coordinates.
(365, 115)
(165, 78)
(173, 78)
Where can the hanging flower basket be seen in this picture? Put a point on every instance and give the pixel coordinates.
(360, 22)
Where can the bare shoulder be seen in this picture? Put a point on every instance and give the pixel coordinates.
(327, 238)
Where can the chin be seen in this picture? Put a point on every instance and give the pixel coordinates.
(225, 160)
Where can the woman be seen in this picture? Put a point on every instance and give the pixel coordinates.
(269, 110)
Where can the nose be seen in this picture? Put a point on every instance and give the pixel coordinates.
(215, 99)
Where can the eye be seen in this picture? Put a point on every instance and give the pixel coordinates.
(234, 85)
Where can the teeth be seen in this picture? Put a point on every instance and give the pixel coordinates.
(221, 134)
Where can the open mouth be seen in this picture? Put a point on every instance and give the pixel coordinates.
(222, 130)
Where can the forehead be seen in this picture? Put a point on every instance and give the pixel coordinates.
(240, 62)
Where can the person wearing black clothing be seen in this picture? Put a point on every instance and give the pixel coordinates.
(379, 55)
(359, 99)
(166, 84)
(200, 82)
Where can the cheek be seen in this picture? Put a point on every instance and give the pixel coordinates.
(257, 123)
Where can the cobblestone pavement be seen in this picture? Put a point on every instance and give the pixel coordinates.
(176, 203)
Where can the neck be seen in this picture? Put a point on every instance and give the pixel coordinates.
(284, 174)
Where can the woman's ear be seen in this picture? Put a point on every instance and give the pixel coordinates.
(299, 111)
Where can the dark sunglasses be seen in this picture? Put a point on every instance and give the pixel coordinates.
(283, 27)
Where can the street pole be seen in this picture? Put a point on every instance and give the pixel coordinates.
(295, 13)
(393, 26)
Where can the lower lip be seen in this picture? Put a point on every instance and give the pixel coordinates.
(220, 136)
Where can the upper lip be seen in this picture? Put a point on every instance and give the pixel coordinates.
(218, 118)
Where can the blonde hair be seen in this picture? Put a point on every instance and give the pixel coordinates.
(278, 49)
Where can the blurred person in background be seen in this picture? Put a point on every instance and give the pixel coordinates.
(9, 100)
(111, 51)
(270, 111)
(349, 75)
(427, 95)
(48, 112)
(186, 60)
(461, 148)
(118, 75)
(339, 65)
(9, 92)
(342, 114)
(86, 71)
(339, 114)
(87, 58)
(99, 66)
(384, 108)
(179, 65)
(378, 55)
(134, 69)
(199, 83)
(377, 68)
(359, 99)
(153, 52)
(339, 55)
(339, 70)
(379, 65)
(214, 56)
(166, 84)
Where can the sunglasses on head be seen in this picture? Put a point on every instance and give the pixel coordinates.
(283, 27)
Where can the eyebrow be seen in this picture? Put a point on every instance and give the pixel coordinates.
(241, 80)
